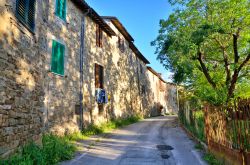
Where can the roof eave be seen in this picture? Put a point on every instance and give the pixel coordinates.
(95, 16)
(156, 74)
(120, 27)
(138, 53)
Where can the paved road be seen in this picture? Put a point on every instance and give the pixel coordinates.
(154, 141)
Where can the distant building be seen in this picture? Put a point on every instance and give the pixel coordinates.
(163, 96)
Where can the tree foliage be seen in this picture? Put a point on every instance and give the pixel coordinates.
(206, 44)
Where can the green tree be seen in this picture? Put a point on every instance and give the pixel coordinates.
(206, 44)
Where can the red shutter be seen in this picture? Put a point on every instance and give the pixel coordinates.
(97, 82)
(99, 76)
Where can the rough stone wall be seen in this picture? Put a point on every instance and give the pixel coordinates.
(134, 79)
(171, 96)
(62, 92)
(33, 99)
(120, 79)
(145, 91)
(162, 95)
(157, 99)
(154, 98)
(21, 89)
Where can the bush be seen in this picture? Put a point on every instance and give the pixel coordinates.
(197, 124)
(103, 128)
(199, 121)
(210, 158)
(53, 150)
(56, 149)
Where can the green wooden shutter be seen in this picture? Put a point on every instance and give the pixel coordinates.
(57, 62)
(31, 14)
(61, 60)
(61, 9)
(64, 9)
(54, 57)
(21, 9)
(25, 12)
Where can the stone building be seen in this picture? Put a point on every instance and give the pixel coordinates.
(23, 48)
(172, 98)
(163, 96)
(54, 55)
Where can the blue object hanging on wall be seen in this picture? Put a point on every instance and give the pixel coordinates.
(101, 96)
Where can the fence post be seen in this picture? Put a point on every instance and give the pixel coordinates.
(206, 123)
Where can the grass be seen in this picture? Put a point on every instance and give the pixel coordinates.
(197, 128)
(169, 113)
(211, 160)
(199, 147)
(200, 125)
(55, 149)
(102, 128)
(208, 157)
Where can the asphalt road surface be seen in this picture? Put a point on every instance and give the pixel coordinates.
(153, 141)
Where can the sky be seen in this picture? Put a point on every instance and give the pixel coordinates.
(141, 19)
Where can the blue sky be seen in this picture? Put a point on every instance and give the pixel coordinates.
(141, 19)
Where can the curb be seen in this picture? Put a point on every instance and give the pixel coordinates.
(193, 137)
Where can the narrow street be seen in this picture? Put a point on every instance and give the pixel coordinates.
(154, 141)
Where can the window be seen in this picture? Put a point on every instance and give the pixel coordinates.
(25, 12)
(98, 36)
(98, 76)
(121, 44)
(61, 9)
(57, 59)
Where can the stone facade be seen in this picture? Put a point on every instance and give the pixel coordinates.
(171, 98)
(34, 100)
(163, 95)
(21, 86)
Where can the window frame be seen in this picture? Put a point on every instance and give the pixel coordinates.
(121, 44)
(64, 55)
(56, 3)
(23, 21)
(100, 76)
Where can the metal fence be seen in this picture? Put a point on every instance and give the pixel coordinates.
(228, 131)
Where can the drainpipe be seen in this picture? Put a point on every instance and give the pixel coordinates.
(81, 68)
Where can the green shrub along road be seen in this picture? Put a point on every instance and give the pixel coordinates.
(52, 150)
(196, 125)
